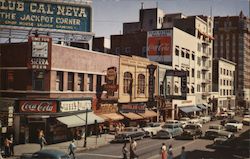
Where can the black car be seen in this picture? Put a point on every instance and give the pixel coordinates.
(191, 131)
(212, 134)
(46, 154)
(128, 134)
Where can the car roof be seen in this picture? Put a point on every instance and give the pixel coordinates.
(50, 152)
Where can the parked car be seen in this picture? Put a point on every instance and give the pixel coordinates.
(46, 154)
(184, 121)
(235, 123)
(152, 128)
(195, 119)
(169, 131)
(216, 127)
(246, 120)
(205, 119)
(128, 134)
(231, 113)
(191, 131)
(212, 134)
(222, 115)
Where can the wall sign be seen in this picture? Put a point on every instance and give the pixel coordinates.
(77, 105)
(33, 106)
(133, 107)
(151, 85)
(50, 15)
(111, 78)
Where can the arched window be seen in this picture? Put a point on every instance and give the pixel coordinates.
(127, 83)
(192, 89)
(141, 84)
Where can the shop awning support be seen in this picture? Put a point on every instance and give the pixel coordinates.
(86, 126)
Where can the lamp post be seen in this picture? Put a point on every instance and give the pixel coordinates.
(86, 126)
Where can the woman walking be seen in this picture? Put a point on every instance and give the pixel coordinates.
(163, 151)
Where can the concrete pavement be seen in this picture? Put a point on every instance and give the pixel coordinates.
(92, 142)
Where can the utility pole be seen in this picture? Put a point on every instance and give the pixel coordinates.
(86, 126)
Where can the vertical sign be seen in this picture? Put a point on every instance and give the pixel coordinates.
(151, 84)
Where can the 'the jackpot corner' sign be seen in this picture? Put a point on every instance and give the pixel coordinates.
(37, 14)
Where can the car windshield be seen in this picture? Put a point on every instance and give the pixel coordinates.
(190, 127)
(167, 126)
(129, 129)
(233, 121)
(152, 125)
(216, 127)
(184, 119)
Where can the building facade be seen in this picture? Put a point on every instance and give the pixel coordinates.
(232, 41)
(224, 83)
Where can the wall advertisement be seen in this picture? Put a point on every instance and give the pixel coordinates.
(45, 15)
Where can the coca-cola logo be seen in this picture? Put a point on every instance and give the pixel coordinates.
(38, 106)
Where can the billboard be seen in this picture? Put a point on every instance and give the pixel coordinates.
(42, 15)
(159, 44)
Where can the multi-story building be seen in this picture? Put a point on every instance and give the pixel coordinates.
(232, 42)
(224, 83)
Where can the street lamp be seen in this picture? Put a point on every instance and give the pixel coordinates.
(86, 126)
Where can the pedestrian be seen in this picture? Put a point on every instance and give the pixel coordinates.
(7, 143)
(133, 146)
(125, 151)
(164, 151)
(11, 145)
(42, 141)
(100, 130)
(183, 153)
(72, 148)
(170, 152)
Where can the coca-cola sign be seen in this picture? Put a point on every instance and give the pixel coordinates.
(33, 106)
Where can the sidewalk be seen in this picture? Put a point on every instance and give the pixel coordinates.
(92, 142)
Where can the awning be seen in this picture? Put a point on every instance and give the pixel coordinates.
(91, 118)
(148, 114)
(112, 116)
(132, 116)
(201, 106)
(71, 121)
(189, 109)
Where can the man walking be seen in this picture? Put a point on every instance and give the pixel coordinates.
(133, 146)
(72, 148)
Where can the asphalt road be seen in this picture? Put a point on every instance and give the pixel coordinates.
(150, 148)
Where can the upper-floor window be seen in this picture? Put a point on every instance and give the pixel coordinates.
(127, 83)
(10, 79)
(182, 53)
(177, 51)
(80, 82)
(193, 57)
(59, 81)
(141, 84)
(127, 49)
(117, 50)
(38, 80)
(187, 55)
(90, 82)
(192, 73)
(71, 81)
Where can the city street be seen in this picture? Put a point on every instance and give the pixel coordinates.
(150, 148)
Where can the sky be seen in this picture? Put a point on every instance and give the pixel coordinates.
(109, 15)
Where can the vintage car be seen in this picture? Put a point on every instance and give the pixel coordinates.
(191, 131)
(152, 128)
(246, 120)
(230, 124)
(46, 154)
(216, 127)
(205, 119)
(169, 131)
(128, 134)
(184, 121)
(212, 134)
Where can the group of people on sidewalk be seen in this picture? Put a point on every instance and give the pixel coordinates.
(131, 151)
(168, 153)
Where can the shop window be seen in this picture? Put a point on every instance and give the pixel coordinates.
(59, 81)
(127, 83)
(71, 81)
(38, 80)
(80, 82)
(90, 82)
(141, 84)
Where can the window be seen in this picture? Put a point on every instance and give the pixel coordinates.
(193, 57)
(127, 83)
(38, 80)
(80, 82)
(98, 83)
(187, 55)
(59, 81)
(127, 49)
(117, 50)
(199, 61)
(90, 82)
(192, 89)
(71, 81)
(198, 74)
(199, 47)
(182, 53)
(198, 88)
(192, 72)
(176, 52)
(141, 84)
(10, 80)
(176, 89)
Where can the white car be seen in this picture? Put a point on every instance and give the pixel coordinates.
(231, 113)
(215, 127)
(205, 119)
(246, 120)
(152, 128)
(184, 121)
(234, 123)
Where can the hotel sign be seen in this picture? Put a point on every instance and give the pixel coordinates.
(49, 15)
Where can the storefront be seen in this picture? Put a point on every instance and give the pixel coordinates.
(61, 120)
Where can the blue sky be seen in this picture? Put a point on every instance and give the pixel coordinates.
(108, 15)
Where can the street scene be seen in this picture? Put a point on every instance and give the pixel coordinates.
(128, 79)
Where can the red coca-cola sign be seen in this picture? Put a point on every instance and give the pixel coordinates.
(33, 106)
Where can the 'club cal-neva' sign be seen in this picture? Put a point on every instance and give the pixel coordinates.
(49, 15)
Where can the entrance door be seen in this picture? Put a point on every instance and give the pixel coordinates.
(34, 128)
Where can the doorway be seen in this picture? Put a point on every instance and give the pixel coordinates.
(34, 128)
